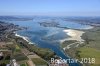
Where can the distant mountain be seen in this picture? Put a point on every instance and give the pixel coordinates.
(94, 21)
(13, 18)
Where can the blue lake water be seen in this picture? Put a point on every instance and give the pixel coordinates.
(48, 37)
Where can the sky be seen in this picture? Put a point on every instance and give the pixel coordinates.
(50, 7)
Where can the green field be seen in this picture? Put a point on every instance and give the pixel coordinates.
(39, 61)
(92, 46)
(86, 52)
(17, 48)
(24, 64)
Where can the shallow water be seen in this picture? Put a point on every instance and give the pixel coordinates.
(47, 37)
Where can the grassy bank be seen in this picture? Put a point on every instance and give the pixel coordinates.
(89, 49)
(45, 53)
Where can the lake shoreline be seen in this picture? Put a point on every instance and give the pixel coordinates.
(24, 38)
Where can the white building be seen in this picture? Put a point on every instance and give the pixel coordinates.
(14, 63)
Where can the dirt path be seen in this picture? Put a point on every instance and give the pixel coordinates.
(69, 46)
(30, 63)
